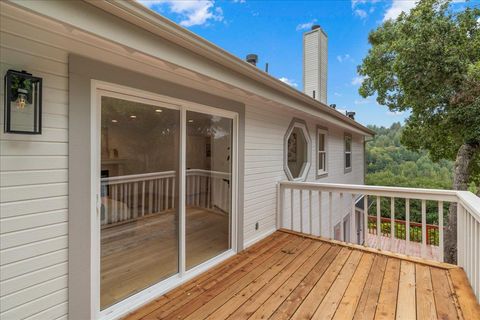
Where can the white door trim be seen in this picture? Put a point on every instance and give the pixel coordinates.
(101, 88)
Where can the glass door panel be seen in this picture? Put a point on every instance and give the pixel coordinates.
(208, 186)
(139, 194)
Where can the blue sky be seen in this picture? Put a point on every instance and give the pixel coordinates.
(273, 30)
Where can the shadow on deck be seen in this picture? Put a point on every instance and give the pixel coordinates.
(289, 275)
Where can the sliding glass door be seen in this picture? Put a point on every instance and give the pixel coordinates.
(139, 192)
(208, 191)
(166, 192)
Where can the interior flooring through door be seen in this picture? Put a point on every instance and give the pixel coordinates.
(139, 252)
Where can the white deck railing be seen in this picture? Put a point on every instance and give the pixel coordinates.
(316, 208)
(129, 197)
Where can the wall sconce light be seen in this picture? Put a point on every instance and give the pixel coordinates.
(23, 103)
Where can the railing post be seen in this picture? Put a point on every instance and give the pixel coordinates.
(279, 205)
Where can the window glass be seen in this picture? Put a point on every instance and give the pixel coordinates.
(297, 152)
(322, 152)
(348, 152)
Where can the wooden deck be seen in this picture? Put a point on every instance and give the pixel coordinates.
(400, 246)
(291, 276)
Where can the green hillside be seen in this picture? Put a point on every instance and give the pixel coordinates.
(389, 163)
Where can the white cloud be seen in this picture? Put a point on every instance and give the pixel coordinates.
(193, 12)
(358, 80)
(306, 25)
(397, 7)
(290, 82)
(239, 1)
(343, 58)
(336, 94)
(360, 13)
(355, 3)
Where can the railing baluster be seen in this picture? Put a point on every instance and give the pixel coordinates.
(310, 223)
(392, 223)
(135, 199)
(301, 210)
(150, 196)
(320, 213)
(291, 208)
(407, 226)
(365, 219)
(440, 230)
(379, 230)
(330, 214)
(173, 192)
(424, 228)
(143, 198)
(353, 220)
(342, 214)
(280, 202)
(167, 193)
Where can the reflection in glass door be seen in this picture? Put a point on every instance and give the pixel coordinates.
(208, 186)
(139, 193)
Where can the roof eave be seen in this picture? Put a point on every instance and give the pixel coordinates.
(163, 27)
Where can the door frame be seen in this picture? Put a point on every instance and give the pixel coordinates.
(102, 88)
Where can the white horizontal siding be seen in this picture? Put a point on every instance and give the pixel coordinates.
(265, 128)
(33, 184)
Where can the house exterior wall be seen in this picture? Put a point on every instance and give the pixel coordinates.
(34, 194)
(33, 184)
(265, 128)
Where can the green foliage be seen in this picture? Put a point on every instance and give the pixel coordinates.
(428, 62)
(390, 163)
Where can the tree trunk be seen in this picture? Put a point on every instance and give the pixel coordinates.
(461, 177)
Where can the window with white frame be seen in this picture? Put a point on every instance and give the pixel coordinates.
(322, 160)
(297, 149)
(348, 152)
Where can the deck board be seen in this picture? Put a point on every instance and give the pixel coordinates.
(289, 276)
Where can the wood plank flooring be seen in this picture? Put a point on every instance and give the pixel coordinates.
(292, 276)
(413, 249)
(139, 254)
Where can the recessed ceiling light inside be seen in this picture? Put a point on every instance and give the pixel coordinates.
(191, 120)
(114, 121)
(159, 110)
(133, 117)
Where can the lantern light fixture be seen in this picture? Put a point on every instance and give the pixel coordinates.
(23, 103)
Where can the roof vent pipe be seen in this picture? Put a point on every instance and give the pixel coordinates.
(350, 114)
(252, 58)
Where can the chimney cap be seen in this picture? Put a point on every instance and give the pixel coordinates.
(252, 58)
(315, 26)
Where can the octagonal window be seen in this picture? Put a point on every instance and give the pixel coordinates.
(297, 149)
